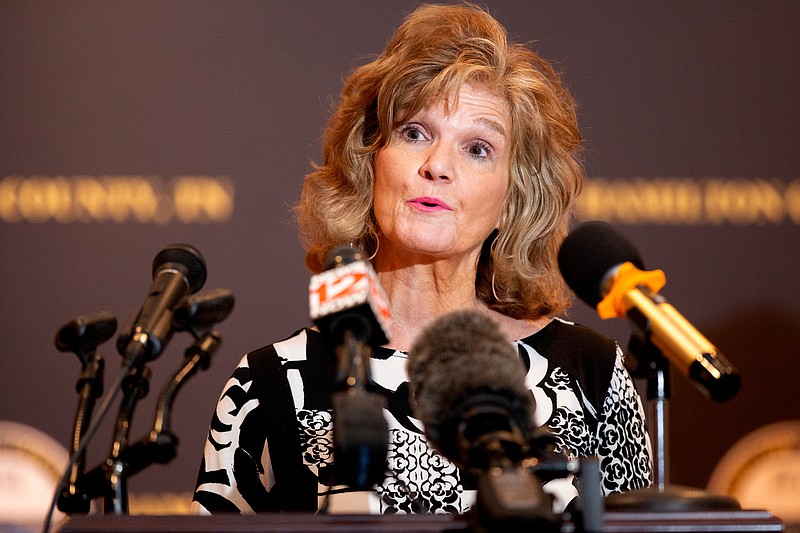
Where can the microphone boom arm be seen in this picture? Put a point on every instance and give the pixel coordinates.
(159, 446)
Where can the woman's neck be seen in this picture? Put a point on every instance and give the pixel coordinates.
(420, 294)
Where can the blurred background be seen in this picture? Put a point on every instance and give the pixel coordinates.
(127, 126)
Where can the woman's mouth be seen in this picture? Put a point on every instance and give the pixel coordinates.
(427, 203)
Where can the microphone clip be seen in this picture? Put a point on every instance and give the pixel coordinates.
(627, 278)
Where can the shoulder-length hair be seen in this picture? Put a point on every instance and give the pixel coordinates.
(435, 51)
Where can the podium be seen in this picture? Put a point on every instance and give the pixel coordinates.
(614, 522)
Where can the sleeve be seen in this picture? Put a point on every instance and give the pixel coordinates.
(623, 444)
(235, 472)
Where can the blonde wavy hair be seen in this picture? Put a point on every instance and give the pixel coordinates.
(435, 51)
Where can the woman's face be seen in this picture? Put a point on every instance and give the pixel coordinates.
(441, 180)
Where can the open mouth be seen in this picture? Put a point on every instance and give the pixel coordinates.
(430, 204)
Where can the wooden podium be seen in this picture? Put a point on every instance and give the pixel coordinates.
(614, 522)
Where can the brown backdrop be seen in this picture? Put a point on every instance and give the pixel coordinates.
(128, 126)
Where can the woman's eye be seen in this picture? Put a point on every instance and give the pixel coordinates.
(411, 132)
(479, 149)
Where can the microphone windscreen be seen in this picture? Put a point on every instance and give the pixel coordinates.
(86, 332)
(203, 310)
(589, 253)
(189, 258)
(460, 356)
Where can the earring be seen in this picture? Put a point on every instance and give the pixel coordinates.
(377, 247)
(494, 291)
(495, 233)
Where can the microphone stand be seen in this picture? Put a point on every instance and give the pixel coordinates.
(360, 431)
(510, 496)
(645, 360)
(82, 336)
(135, 386)
(197, 357)
(89, 387)
(159, 446)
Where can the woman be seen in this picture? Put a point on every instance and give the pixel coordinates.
(452, 159)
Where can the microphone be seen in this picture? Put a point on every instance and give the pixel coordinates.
(203, 310)
(604, 270)
(351, 310)
(347, 296)
(468, 389)
(85, 333)
(178, 270)
(467, 386)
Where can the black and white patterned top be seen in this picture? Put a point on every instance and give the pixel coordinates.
(582, 391)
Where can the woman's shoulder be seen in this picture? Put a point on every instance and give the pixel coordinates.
(301, 363)
(560, 335)
(581, 351)
(301, 345)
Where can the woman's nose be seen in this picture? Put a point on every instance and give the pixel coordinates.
(438, 163)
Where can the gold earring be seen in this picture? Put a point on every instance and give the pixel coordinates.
(494, 291)
(491, 247)
(377, 247)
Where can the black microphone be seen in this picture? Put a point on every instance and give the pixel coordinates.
(468, 389)
(351, 310)
(178, 270)
(203, 310)
(85, 333)
(605, 270)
